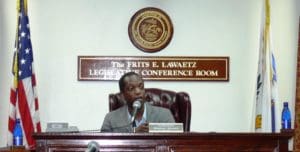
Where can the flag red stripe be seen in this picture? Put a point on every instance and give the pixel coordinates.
(36, 103)
(38, 127)
(13, 96)
(11, 124)
(27, 122)
(33, 81)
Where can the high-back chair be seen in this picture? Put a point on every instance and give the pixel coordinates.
(178, 102)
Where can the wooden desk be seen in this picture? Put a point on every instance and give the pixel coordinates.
(13, 149)
(164, 142)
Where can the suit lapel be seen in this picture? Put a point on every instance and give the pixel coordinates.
(149, 112)
(124, 119)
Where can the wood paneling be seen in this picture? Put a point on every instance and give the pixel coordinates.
(164, 142)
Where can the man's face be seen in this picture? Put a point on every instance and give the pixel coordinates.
(134, 89)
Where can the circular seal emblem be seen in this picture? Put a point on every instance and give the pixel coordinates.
(150, 29)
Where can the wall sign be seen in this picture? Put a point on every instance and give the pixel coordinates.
(150, 29)
(154, 68)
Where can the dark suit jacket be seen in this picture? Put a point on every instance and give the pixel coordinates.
(118, 121)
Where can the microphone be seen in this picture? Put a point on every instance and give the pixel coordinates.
(92, 147)
(136, 105)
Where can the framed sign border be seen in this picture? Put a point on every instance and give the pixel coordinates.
(139, 58)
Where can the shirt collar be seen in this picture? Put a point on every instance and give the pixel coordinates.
(144, 118)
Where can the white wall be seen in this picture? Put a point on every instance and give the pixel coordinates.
(63, 29)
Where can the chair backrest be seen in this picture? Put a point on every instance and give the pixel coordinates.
(178, 102)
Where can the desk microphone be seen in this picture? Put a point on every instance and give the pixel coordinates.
(136, 105)
(92, 147)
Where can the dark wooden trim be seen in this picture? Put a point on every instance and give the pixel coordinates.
(188, 141)
(297, 102)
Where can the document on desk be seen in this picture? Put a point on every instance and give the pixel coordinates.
(165, 127)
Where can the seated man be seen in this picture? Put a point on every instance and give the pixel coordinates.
(132, 88)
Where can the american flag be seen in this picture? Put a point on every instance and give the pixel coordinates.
(23, 95)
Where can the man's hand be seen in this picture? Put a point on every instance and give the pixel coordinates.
(142, 128)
